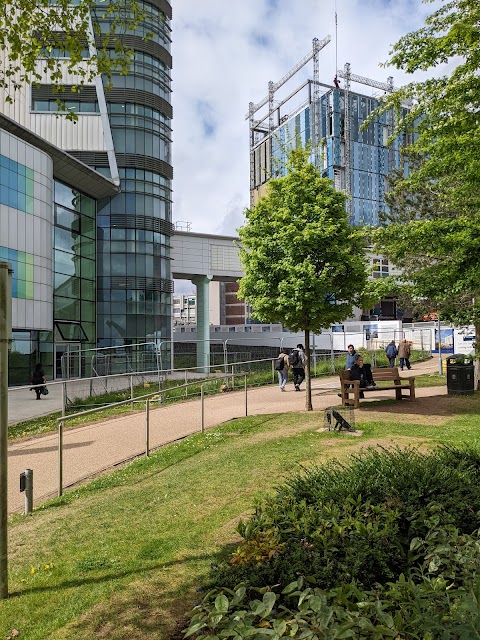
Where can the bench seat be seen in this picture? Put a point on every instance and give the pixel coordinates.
(384, 374)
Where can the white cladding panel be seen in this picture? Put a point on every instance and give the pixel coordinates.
(205, 255)
(85, 134)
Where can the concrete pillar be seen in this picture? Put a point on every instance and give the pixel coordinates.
(203, 322)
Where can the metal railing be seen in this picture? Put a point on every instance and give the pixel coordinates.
(147, 398)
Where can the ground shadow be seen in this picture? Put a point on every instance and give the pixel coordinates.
(22, 452)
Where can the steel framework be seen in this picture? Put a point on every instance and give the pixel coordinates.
(258, 128)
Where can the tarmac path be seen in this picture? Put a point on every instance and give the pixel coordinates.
(92, 449)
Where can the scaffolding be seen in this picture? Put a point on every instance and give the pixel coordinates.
(259, 130)
(333, 122)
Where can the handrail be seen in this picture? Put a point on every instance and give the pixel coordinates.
(61, 421)
(144, 397)
(137, 373)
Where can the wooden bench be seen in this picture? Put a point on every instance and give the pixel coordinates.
(387, 374)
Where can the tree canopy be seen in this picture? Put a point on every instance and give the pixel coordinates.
(304, 264)
(444, 111)
(432, 228)
(45, 38)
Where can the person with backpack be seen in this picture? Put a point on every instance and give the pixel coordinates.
(282, 367)
(391, 351)
(297, 361)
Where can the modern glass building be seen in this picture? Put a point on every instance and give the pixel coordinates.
(48, 205)
(134, 227)
(124, 133)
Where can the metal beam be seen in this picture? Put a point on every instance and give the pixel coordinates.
(318, 46)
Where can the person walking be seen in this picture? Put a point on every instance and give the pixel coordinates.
(297, 360)
(404, 355)
(351, 357)
(391, 351)
(282, 367)
(38, 378)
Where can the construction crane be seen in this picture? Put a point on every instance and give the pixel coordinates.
(317, 46)
(383, 86)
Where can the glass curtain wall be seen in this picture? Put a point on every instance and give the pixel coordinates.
(134, 228)
(74, 280)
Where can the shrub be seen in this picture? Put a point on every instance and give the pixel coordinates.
(355, 521)
(437, 599)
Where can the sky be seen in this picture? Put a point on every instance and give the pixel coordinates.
(224, 54)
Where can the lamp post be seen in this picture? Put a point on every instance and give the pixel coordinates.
(5, 335)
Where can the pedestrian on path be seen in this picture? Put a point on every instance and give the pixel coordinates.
(297, 360)
(282, 367)
(404, 354)
(351, 357)
(391, 351)
(38, 378)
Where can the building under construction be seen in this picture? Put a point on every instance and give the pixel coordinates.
(329, 116)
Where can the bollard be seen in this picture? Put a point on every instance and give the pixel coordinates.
(26, 485)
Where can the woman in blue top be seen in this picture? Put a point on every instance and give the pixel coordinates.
(351, 357)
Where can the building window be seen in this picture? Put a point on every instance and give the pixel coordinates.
(379, 268)
(70, 105)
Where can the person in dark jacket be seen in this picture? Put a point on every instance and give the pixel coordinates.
(297, 360)
(391, 351)
(363, 373)
(38, 378)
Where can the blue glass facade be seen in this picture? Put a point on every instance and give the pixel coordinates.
(371, 159)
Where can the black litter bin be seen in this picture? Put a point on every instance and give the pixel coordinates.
(460, 375)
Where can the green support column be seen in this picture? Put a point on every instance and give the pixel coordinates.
(203, 322)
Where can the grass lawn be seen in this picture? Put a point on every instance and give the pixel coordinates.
(122, 556)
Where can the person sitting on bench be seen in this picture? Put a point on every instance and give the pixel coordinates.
(363, 373)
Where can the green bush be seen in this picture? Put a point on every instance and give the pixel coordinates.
(436, 599)
(355, 521)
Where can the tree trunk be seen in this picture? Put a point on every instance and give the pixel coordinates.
(477, 357)
(308, 382)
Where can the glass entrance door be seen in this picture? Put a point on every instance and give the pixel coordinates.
(67, 360)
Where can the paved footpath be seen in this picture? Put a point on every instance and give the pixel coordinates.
(92, 449)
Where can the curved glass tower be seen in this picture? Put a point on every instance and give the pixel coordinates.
(134, 281)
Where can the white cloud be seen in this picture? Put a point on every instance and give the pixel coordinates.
(224, 54)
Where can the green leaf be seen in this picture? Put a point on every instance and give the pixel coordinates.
(221, 603)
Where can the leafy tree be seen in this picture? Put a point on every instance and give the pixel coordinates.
(304, 264)
(443, 111)
(43, 38)
(433, 226)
